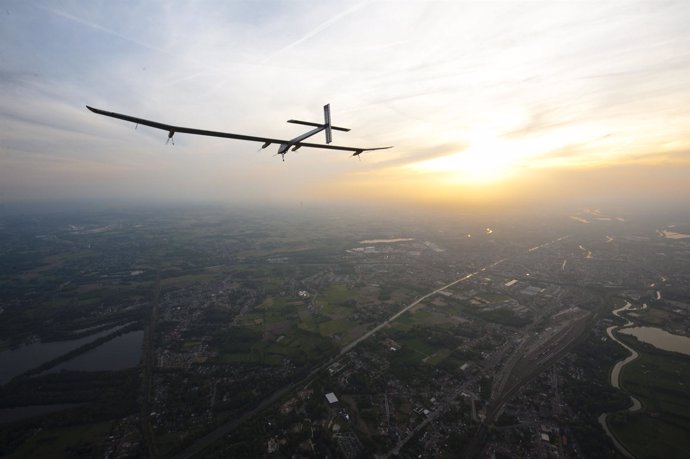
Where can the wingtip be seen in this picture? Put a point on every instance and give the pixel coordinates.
(91, 108)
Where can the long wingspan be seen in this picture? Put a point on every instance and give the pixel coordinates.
(265, 140)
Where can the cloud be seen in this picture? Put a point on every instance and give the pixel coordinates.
(101, 28)
(318, 29)
(554, 84)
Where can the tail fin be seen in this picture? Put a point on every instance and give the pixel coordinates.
(327, 122)
(326, 127)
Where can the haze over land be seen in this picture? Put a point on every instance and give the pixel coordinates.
(485, 102)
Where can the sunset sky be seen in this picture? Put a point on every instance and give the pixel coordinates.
(484, 102)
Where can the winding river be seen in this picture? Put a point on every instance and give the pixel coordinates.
(616, 376)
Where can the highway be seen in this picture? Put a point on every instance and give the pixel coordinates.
(365, 336)
(204, 442)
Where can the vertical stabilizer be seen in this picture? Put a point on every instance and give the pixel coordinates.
(327, 122)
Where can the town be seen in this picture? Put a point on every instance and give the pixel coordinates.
(351, 337)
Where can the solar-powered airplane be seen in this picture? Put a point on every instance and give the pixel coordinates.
(283, 145)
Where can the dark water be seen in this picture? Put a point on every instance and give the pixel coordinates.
(26, 412)
(17, 361)
(121, 352)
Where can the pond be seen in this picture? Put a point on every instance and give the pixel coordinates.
(660, 339)
(123, 351)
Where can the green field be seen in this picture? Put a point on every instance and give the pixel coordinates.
(336, 294)
(185, 280)
(648, 436)
(438, 357)
(309, 325)
(333, 327)
(492, 297)
(227, 357)
(187, 345)
(661, 381)
(418, 344)
(503, 316)
(246, 345)
(273, 303)
(420, 316)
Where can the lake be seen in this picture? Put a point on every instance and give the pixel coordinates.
(123, 351)
(660, 339)
(16, 361)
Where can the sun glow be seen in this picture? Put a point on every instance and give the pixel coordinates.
(487, 160)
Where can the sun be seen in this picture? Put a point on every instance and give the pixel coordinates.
(487, 160)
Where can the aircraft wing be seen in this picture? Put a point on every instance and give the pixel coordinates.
(337, 147)
(183, 130)
(265, 140)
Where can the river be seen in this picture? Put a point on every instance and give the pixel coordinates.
(589, 252)
(616, 376)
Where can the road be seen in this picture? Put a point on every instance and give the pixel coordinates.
(204, 442)
(365, 336)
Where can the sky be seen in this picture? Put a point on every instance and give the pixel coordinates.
(484, 102)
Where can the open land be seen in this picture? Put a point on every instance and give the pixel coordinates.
(276, 333)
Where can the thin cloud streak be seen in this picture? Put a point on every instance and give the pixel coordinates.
(317, 30)
(102, 28)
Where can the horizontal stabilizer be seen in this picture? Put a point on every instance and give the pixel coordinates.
(308, 123)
